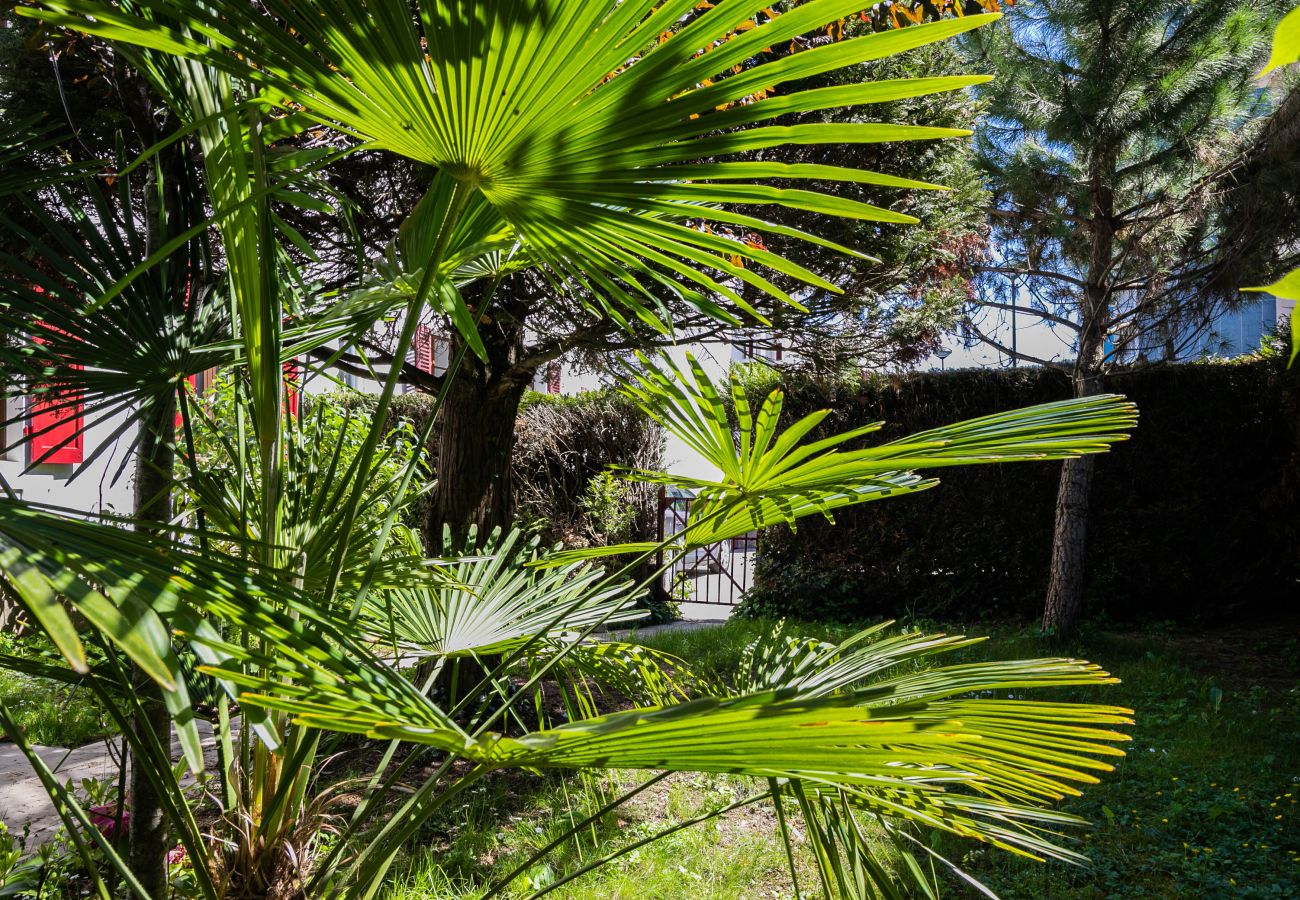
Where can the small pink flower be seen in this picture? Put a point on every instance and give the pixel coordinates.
(175, 856)
(104, 818)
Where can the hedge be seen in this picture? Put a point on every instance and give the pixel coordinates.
(1196, 517)
(561, 444)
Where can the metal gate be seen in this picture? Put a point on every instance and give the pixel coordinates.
(719, 573)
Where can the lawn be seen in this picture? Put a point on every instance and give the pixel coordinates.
(1205, 804)
(53, 714)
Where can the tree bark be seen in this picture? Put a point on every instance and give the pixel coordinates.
(1063, 607)
(476, 431)
(475, 443)
(147, 832)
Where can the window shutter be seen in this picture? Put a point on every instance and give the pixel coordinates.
(292, 377)
(553, 378)
(54, 427)
(424, 348)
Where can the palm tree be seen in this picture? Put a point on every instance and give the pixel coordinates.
(568, 137)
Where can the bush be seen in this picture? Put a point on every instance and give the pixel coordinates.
(1194, 518)
(564, 449)
(563, 445)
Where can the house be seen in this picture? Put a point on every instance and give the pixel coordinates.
(58, 466)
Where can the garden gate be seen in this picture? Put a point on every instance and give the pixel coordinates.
(718, 574)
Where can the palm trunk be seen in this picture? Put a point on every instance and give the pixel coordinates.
(147, 834)
(166, 209)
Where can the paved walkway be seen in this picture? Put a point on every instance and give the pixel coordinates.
(695, 616)
(23, 800)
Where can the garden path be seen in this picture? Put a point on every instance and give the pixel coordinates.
(694, 617)
(23, 801)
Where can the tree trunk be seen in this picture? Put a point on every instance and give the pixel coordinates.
(476, 440)
(476, 429)
(1064, 603)
(147, 834)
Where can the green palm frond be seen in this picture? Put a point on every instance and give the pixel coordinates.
(774, 476)
(127, 584)
(319, 470)
(643, 675)
(137, 348)
(309, 667)
(1001, 806)
(22, 143)
(491, 602)
(594, 158)
(856, 738)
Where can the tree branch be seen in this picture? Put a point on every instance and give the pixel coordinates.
(1016, 354)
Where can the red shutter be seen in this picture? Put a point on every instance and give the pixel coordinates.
(194, 392)
(54, 427)
(553, 378)
(424, 348)
(292, 375)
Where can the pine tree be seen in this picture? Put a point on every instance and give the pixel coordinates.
(1113, 127)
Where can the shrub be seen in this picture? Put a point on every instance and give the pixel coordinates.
(1194, 518)
(564, 450)
(563, 444)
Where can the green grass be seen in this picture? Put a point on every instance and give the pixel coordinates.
(505, 821)
(53, 714)
(1206, 804)
(1207, 801)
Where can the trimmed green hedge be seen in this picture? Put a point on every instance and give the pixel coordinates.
(1196, 517)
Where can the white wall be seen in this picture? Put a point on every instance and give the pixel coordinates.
(95, 487)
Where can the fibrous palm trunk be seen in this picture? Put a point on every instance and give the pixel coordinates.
(166, 207)
(147, 828)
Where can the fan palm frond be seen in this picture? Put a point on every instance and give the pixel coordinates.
(773, 476)
(594, 158)
(138, 348)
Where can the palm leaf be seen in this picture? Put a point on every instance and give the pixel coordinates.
(490, 602)
(1001, 807)
(135, 350)
(574, 155)
(771, 476)
(124, 582)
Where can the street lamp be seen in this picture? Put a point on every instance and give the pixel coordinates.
(943, 353)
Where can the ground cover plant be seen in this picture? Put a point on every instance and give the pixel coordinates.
(584, 142)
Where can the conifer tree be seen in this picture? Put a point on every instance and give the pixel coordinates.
(1113, 128)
